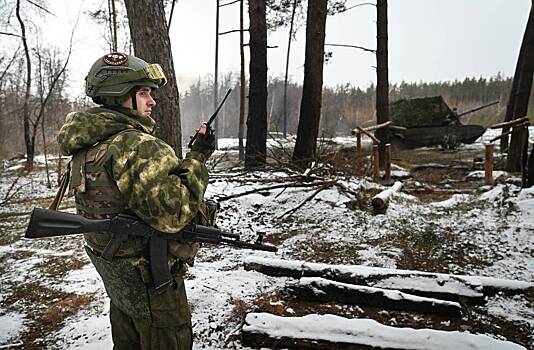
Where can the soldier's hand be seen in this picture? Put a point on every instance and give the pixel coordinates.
(205, 141)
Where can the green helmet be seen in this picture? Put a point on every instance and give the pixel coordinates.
(116, 74)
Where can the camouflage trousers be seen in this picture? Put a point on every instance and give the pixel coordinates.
(142, 318)
(144, 334)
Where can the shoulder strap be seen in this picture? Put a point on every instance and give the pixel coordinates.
(62, 189)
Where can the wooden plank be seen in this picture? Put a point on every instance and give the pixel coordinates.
(375, 140)
(376, 164)
(336, 332)
(488, 165)
(509, 124)
(320, 289)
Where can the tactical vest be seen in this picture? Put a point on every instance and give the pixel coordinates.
(97, 197)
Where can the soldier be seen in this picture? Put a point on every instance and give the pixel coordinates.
(118, 166)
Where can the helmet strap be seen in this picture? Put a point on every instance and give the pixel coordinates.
(133, 95)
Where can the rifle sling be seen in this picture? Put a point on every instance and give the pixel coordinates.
(64, 183)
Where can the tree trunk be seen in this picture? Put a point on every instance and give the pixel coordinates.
(30, 145)
(216, 74)
(256, 149)
(530, 171)
(290, 38)
(149, 32)
(241, 127)
(310, 106)
(522, 95)
(382, 84)
(511, 102)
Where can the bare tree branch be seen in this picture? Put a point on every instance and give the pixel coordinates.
(229, 3)
(41, 7)
(267, 188)
(324, 186)
(353, 46)
(9, 194)
(233, 31)
(9, 64)
(358, 5)
(11, 34)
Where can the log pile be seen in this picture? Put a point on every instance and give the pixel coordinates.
(393, 289)
(471, 289)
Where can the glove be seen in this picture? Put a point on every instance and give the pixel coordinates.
(205, 144)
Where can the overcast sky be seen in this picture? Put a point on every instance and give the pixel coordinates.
(429, 40)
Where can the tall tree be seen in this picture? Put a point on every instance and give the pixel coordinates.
(310, 106)
(382, 76)
(26, 104)
(149, 32)
(241, 128)
(286, 77)
(216, 73)
(522, 93)
(255, 152)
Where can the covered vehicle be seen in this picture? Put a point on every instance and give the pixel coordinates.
(429, 121)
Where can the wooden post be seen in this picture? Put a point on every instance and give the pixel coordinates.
(524, 158)
(488, 175)
(359, 154)
(387, 163)
(376, 163)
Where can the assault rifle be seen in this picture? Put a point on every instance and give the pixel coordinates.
(50, 223)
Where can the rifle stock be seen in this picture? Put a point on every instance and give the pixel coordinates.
(51, 223)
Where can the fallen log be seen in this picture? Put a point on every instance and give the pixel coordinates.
(380, 202)
(335, 332)
(435, 285)
(320, 289)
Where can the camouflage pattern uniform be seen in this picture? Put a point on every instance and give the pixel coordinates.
(119, 167)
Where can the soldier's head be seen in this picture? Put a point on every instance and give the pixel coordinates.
(117, 79)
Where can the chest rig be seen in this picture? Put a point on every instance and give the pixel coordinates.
(97, 197)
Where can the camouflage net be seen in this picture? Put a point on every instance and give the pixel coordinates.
(416, 112)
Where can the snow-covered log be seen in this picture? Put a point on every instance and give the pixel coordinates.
(380, 202)
(335, 332)
(320, 289)
(435, 285)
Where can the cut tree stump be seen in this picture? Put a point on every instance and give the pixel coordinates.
(320, 289)
(335, 332)
(470, 289)
(380, 202)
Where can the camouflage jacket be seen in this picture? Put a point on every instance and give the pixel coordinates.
(163, 190)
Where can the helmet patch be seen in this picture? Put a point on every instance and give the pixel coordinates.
(115, 59)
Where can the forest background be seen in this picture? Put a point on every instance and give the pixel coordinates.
(344, 106)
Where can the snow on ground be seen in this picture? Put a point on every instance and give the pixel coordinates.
(11, 325)
(489, 234)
